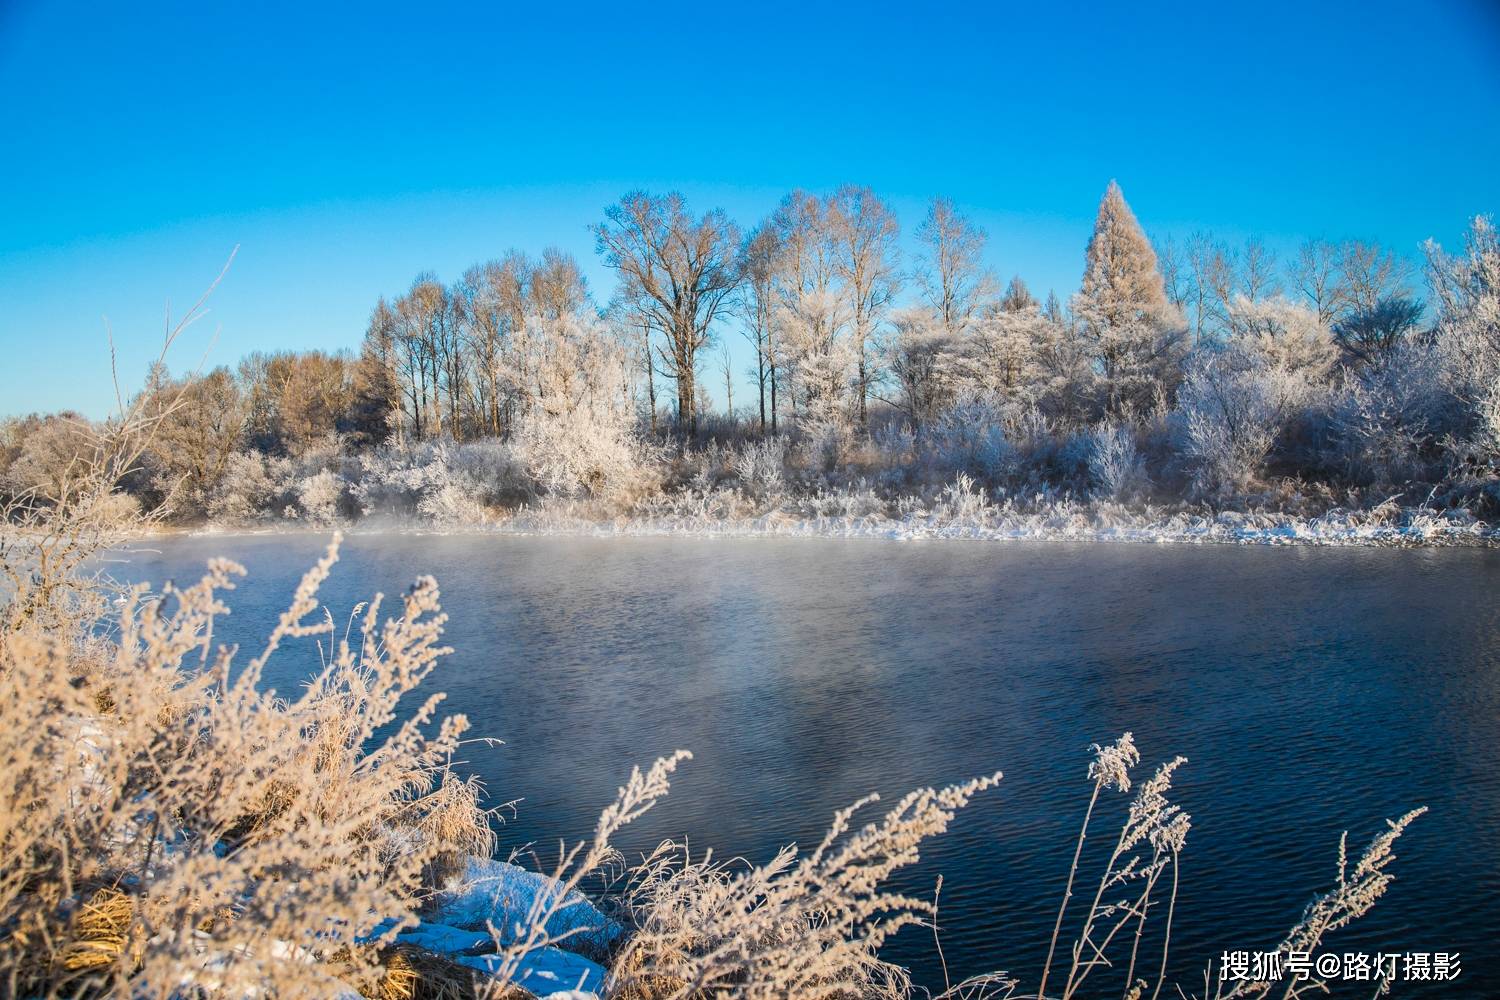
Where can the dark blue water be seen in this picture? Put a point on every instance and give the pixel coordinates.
(1312, 690)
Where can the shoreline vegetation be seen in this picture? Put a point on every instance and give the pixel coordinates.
(966, 516)
(1186, 392)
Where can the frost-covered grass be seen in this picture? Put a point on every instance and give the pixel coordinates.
(963, 514)
(1062, 521)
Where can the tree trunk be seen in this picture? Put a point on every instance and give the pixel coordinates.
(687, 413)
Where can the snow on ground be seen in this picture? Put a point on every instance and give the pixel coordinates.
(1409, 527)
(981, 521)
(444, 939)
(503, 894)
(546, 972)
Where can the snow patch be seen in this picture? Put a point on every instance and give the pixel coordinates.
(444, 939)
(547, 972)
(503, 894)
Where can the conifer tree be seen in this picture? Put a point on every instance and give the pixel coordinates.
(1134, 333)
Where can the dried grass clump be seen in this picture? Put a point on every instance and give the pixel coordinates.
(414, 974)
(98, 934)
(246, 839)
(805, 927)
(1353, 895)
(812, 926)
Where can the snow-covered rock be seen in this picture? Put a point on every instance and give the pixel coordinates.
(503, 894)
(547, 972)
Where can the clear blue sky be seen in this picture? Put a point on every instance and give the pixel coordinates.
(346, 150)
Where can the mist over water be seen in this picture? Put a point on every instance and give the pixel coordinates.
(1312, 691)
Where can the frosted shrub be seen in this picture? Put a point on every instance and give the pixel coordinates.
(1229, 419)
(828, 441)
(1466, 337)
(969, 437)
(1389, 417)
(577, 438)
(459, 484)
(844, 503)
(391, 482)
(253, 486)
(961, 500)
(497, 475)
(1489, 419)
(445, 483)
(319, 497)
(1114, 466)
(576, 454)
(894, 439)
(451, 498)
(761, 468)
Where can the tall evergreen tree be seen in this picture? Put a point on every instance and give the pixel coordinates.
(1134, 333)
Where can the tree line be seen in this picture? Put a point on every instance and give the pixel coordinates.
(1324, 359)
(816, 289)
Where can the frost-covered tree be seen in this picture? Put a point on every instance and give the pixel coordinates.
(557, 287)
(201, 423)
(918, 350)
(1063, 366)
(756, 305)
(865, 234)
(1018, 297)
(1053, 309)
(300, 401)
(491, 303)
(427, 326)
(1238, 398)
(1229, 414)
(1466, 335)
(681, 269)
(1287, 336)
(1134, 333)
(952, 275)
(40, 452)
(1021, 359)
(1370, 336)
(1210, 284)
(1369, 273)
(1171, 259)
(1315, 276)
(577, 440)
(813, 309)
(1258, 272)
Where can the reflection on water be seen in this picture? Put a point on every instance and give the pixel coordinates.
(1312, 691)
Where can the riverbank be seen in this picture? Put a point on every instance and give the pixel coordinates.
(1067, 521)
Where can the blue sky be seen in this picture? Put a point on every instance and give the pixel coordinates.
(345, 152)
